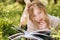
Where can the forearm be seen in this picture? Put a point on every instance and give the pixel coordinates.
(24, 18)
(23, 23)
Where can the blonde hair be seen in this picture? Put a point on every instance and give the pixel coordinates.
(41, 7)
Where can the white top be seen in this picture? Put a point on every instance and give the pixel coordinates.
(55, 21)
(31, 27)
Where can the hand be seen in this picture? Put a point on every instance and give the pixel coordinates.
(27, 1)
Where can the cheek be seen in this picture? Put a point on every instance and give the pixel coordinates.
(36, 18)
(41, 16)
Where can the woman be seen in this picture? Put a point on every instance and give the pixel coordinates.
(38, 19)
(30, 24)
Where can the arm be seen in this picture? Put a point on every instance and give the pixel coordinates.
(25, 13)
(24, 17)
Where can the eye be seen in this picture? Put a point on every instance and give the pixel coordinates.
(39, 12)
(34, 15)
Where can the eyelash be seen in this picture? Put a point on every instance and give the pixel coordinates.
(39, 12)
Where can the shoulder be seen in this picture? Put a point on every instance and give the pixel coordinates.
(54, 20)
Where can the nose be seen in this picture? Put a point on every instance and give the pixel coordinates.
(39, 19)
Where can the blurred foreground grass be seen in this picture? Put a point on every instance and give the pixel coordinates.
(9, 16)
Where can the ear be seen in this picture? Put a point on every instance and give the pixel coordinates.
(27, 2)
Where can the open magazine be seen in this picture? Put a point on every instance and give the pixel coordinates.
(36, 35)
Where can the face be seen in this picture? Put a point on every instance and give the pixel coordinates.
(39, 16)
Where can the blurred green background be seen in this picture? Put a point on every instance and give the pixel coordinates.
(11, 11)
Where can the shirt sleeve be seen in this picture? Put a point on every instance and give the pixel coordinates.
(59, 23)
(24, 17)
(54, 21)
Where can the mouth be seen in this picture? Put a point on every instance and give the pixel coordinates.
(41, 22)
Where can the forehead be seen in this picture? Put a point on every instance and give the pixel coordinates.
(36, 8)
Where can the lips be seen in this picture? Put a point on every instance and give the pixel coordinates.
(42, 24)
(40, 21)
